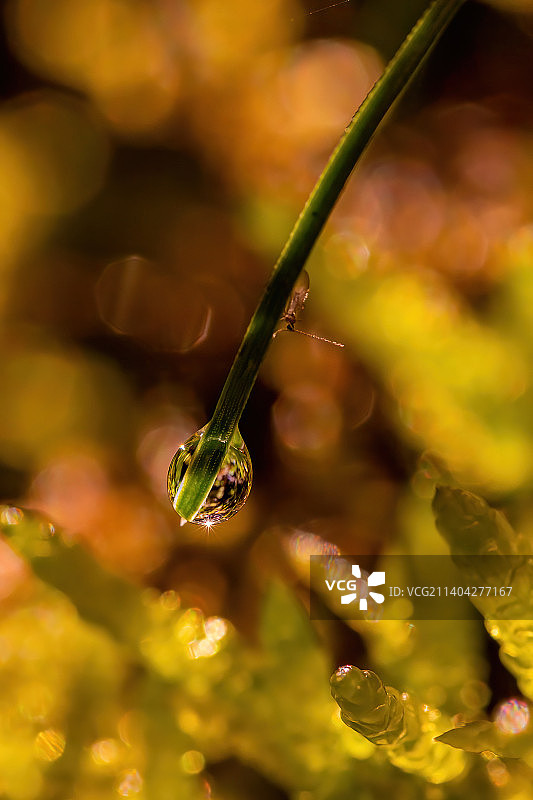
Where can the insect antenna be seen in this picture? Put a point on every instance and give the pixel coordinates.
(313, 336)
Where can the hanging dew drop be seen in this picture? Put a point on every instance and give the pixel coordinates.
(232, 484)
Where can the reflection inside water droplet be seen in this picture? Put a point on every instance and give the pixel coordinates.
(232, 484)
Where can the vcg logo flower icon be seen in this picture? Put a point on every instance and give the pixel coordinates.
(359, 588)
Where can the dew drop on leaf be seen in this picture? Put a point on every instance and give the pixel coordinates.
(232, 484)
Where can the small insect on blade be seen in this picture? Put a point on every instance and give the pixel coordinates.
(295, 304)
(298, 296)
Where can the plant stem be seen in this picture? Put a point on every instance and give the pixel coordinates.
(210, 453)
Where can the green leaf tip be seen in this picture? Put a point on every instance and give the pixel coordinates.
(482, 735)
(474, 737)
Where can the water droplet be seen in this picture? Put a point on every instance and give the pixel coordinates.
(513, 716)
(341, 672)
(232, 484)
(10, 515)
